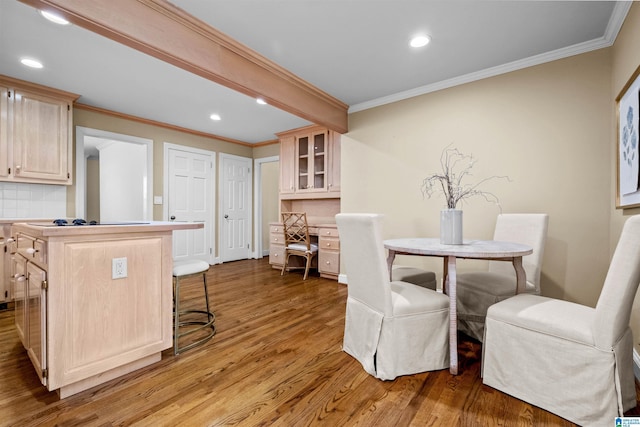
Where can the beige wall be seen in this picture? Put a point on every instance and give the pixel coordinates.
(546, 127)
(270, 180)
(625, 59)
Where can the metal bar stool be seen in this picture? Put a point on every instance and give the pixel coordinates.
(181, 270)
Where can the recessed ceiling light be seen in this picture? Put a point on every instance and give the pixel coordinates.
(215, 117)
(261, 101)
(31, 63)
(420, 41)
(57, 19)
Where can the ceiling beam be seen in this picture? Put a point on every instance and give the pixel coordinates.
(164, 31)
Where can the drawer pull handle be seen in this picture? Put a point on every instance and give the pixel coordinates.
(20, 277)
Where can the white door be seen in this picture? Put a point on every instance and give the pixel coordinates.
(189, 198)
(235, 207)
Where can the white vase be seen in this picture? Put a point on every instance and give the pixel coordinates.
(451, 227)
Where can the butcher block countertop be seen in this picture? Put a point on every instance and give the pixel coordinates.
(48, 229)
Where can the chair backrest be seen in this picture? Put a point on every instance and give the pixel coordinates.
(526, 229)
(296, 229)
(364, 260)
(613, 310)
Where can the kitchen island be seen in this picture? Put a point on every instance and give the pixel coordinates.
(92, 302)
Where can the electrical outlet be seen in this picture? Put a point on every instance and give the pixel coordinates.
(118, 268)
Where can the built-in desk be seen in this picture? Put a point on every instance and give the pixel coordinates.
(325, 235)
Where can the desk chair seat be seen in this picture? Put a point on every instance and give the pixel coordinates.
(194, 320)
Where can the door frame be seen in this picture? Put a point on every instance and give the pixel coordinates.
(248, 201)
(257, 202)
(81, 164)
(212, 200)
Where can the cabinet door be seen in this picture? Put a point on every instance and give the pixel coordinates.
(37, 319)
(19, 284)
(4, 131)
(311, 157)
(41, 142)
(333, 164)
(287, 165)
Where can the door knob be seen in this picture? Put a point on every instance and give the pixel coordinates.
(172, 217)
(226, 216)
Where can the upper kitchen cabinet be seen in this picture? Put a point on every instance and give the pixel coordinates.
(35, 133)
(309, 163)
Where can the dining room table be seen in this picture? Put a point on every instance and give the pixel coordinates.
(492, 250)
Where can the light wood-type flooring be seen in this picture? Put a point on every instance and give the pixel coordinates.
(276, 360)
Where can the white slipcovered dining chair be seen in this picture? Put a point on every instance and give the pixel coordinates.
(573, 360)
(477, 290)
(391, 328)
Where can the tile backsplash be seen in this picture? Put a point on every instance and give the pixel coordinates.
(20, 200)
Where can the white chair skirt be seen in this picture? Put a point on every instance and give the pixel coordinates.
(577, 381)
(388, 347)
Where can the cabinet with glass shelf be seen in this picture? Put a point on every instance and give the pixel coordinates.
(309, 163)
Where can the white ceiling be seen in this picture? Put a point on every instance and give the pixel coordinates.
(355, 50)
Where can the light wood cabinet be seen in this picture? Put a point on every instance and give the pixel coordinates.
(309, 163)
(325, 235)
(328, 252)
(35, 133)
(287, 167)
(29, 280)
(79, 324)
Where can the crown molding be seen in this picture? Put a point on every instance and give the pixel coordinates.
(613, 28)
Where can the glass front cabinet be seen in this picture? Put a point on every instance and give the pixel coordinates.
(310, 162)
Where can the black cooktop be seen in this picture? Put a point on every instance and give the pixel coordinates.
(79, 222)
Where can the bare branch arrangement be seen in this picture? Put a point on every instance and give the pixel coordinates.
(456, 167)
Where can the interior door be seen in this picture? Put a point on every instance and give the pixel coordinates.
(190, 199)
(235, 214)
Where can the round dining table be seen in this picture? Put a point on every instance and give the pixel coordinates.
(473, 249)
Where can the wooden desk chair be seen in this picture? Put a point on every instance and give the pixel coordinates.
(297, 240)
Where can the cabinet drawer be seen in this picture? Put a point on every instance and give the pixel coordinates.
(276, 229)
(276, 255)
(34, 250)
(329, 262)
(328, 232)
(276, 239)
(329, 244)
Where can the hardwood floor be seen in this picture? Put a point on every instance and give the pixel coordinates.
(275, 360)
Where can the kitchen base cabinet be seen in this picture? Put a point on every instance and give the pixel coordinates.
(79, 324)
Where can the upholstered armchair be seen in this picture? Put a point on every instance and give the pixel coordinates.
(477, 290)
(573, 360)
(391, 328)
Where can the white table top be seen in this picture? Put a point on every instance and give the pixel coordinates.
(482, 249)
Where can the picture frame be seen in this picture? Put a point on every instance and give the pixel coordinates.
(628, 144)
